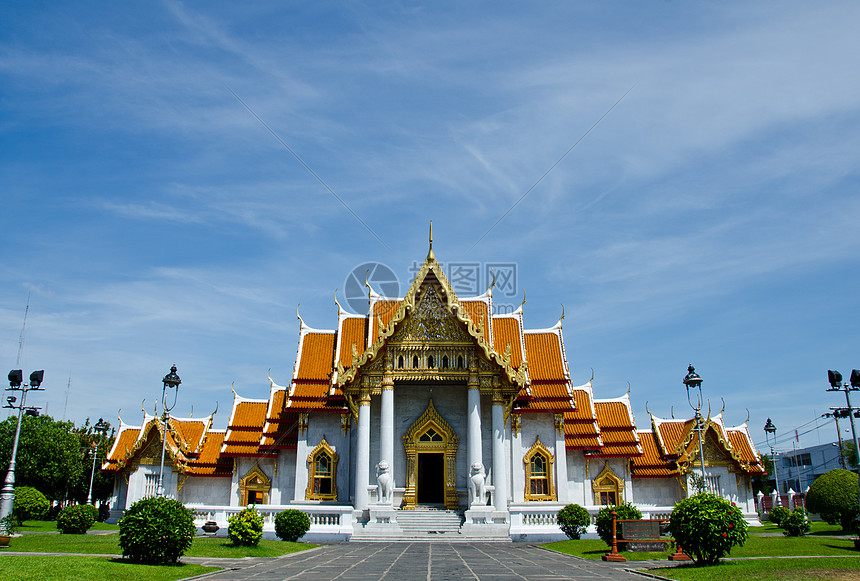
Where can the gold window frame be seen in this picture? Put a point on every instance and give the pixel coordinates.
(608, 481)
(255, 480)
(322, 448)
(538, 448)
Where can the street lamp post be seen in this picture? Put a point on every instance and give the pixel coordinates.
(694, 381)
(171, 381)
(102, 427)
(835, 379)
(16, 383)
(770, 430)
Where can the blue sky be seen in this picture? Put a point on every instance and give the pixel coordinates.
(710, 217)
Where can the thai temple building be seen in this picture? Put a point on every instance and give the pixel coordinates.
(430, 416)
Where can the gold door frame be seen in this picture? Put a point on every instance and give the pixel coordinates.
(413, 446)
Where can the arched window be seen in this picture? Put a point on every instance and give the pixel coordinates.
(322, 471)
(415, 362)
(444, 362)
(608, 488)
(400, 362)
(430, 362)
(459, 362)
(539, 478)
(254, 487)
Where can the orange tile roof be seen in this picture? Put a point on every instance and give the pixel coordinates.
(353, 330)
(651, 464)
(382, 310)
(671, 432)
(477, 311)
(248, 415)
(741, 445)
(317, 357)
(613, 415)
(188, 434)
(506, 331)
(125, 442)
(543, 352)
(583, 442)
(583, 411)
(618, 437)
(629, 451)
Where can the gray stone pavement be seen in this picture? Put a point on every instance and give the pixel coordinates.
(424, 561)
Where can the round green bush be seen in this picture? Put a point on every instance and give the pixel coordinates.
(624, 511)
(30, 504)
(796, 523)
(156, 531)
(777, 514)
(833, 496)
(707, 526)
(291, 525)
(245, 527)
(75, 519)
(573, 520)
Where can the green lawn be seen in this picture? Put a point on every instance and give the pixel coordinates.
(45, 568)
(50, 526)
(109, 545)
(817, 527)
(768, 570)
(755, 546)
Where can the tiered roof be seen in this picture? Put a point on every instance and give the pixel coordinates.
(533, 362)
(671, 447)
(191, 445)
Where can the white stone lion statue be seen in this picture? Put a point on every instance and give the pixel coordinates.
(476, 484)
(385, 487)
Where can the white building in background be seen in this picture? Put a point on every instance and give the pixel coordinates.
(430, 416)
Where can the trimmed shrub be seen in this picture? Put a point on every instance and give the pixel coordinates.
(75, 519)
(156, 531)
(796, 523)
(624, 511)
(246, 527)
(30, 504)
(833, 496)
(777, 514)
(573, 520)
(707, 526)
(291, 525)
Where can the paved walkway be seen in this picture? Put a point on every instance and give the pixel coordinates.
(420, 561)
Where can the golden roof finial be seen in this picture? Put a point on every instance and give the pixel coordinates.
(430, 256)
(339, 308)
(301, 322)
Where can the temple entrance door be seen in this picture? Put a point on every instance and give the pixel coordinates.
(431, 478)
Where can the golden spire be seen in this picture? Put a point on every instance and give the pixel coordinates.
(430, 256)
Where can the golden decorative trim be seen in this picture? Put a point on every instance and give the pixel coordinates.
(322, 448)
(413, 445)
(516, 422)
(255, 480)
(538, 449)
(559, 424)
(303, 424)
(608, 481)
(345, 423)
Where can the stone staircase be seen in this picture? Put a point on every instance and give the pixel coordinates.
(424, 524)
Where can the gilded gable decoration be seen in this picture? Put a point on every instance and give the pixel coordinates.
(608, 488)
(254, 486)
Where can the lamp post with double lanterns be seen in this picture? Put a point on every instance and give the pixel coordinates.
(171, 381)
(101, 427)
(16, 383)
(835, 380)
(770, 431)
(694, 381)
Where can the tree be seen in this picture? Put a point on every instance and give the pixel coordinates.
(92, 442)
(850, 454)
(707, 526)
(48, 454)
(833, 496)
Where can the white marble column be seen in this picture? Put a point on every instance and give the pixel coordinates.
(500, 473)
(386, 430)
(362, 464)
(474, 426)
(560, 461)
